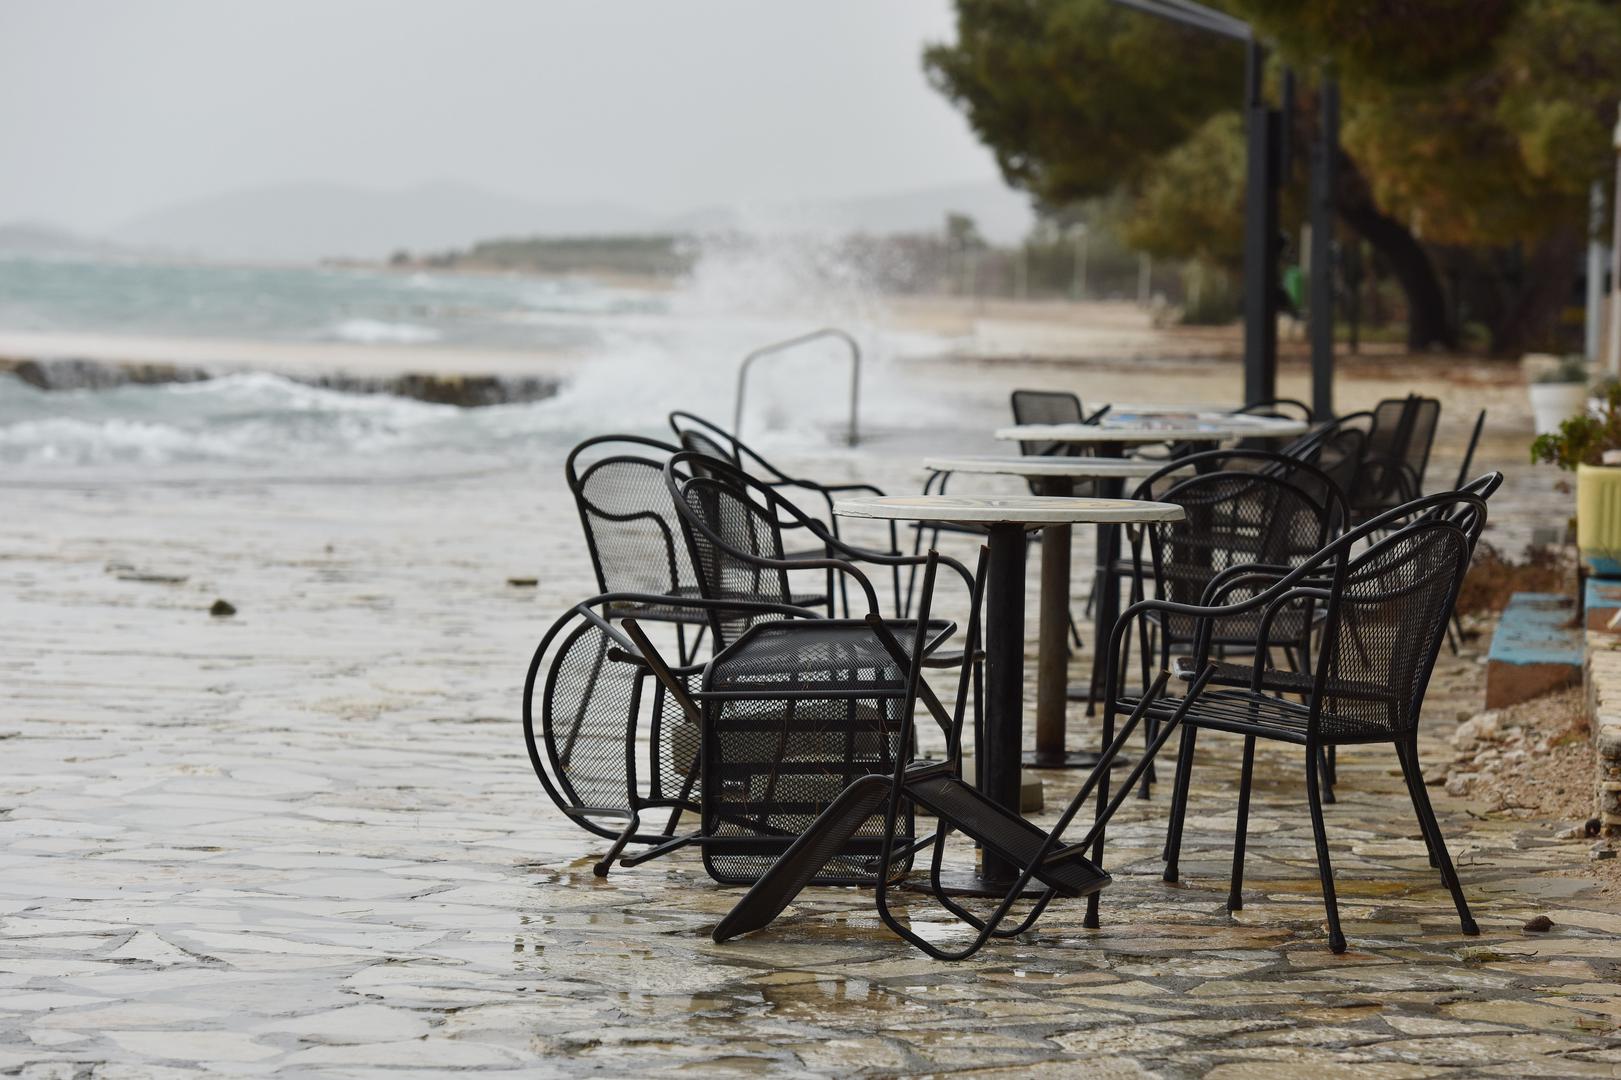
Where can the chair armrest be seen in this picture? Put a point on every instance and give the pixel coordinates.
(1263, 633)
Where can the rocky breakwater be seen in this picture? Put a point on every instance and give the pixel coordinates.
(465, 390)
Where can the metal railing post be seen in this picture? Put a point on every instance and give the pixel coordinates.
(853, 429)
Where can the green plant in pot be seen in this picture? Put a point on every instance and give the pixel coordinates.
(1579, 446)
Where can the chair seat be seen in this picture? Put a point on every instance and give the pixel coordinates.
(1248, 713)
(678, 613)
(1001, 830)
(810, 656)
(1276, 680)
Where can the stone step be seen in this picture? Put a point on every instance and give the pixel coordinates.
(1537, 648)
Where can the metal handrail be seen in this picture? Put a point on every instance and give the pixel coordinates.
(853, 434)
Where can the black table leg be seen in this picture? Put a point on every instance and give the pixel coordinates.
(1004, 680)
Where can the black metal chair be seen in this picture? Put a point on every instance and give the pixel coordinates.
(633, 532)
(1282, 408)
(1060, 870)
(791, 713)
(1242, 508)
(706, 437)
(584, 722)
(1385, 611)
(1274, 408)
(1401, 432)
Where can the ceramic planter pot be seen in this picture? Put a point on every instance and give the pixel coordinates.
(1554, 403)
(1598, 518)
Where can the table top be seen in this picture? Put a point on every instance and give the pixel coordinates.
(1029, 510)
(1166, 427)
(1038, 466)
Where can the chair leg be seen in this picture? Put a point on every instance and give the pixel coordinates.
(1326, 775)
(1075, 633)
(607, 861)
(1426, 813)
(1235, 889)
(1179, 800)
(1423, 825)
(1325, 869)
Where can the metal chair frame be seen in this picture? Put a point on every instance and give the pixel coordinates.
(1058, 869)
(1321, 580)
(551, 743)
(768, 511)
(699, 435)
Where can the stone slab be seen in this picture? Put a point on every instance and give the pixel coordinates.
(1535, 650)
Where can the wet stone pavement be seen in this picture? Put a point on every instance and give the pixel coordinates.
(304, 840)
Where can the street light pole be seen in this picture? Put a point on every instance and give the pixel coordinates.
(1262, 127)
(1322, 248)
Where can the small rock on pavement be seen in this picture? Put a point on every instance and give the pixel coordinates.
(222, 609)
(523, 582)
(1458, 784)
(1539, 925)
(1601, 850)
(1486, 727)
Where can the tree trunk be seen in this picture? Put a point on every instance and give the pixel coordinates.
(1530, 317)
(1427, 322)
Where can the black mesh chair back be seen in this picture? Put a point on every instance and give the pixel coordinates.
(1298, 467)
(1232, 517)
(592, 702)
(1383, 636)
(631, 526)
(1338, 453)
(1046, 407)
(704, 437)
(733, 538)
(794, 712)
(1401, 434)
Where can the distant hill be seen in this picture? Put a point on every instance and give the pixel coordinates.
(1003, 215)
(311, 221)
(307, 222)
(26, 238)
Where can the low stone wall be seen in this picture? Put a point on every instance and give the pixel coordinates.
(1602, 673)
(468, 391)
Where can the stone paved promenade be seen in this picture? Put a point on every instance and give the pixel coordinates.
(304, 840)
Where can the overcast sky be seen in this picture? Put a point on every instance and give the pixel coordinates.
(111, 108)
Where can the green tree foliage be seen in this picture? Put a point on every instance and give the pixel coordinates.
(1191, 201)
(1079, 96)
(1471, 130)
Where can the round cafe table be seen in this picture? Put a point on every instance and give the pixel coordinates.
(1056, 476)
(1005, 520)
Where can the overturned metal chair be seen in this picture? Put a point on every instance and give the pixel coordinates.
(1058, 869)
(789, 713)
(608, 744)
